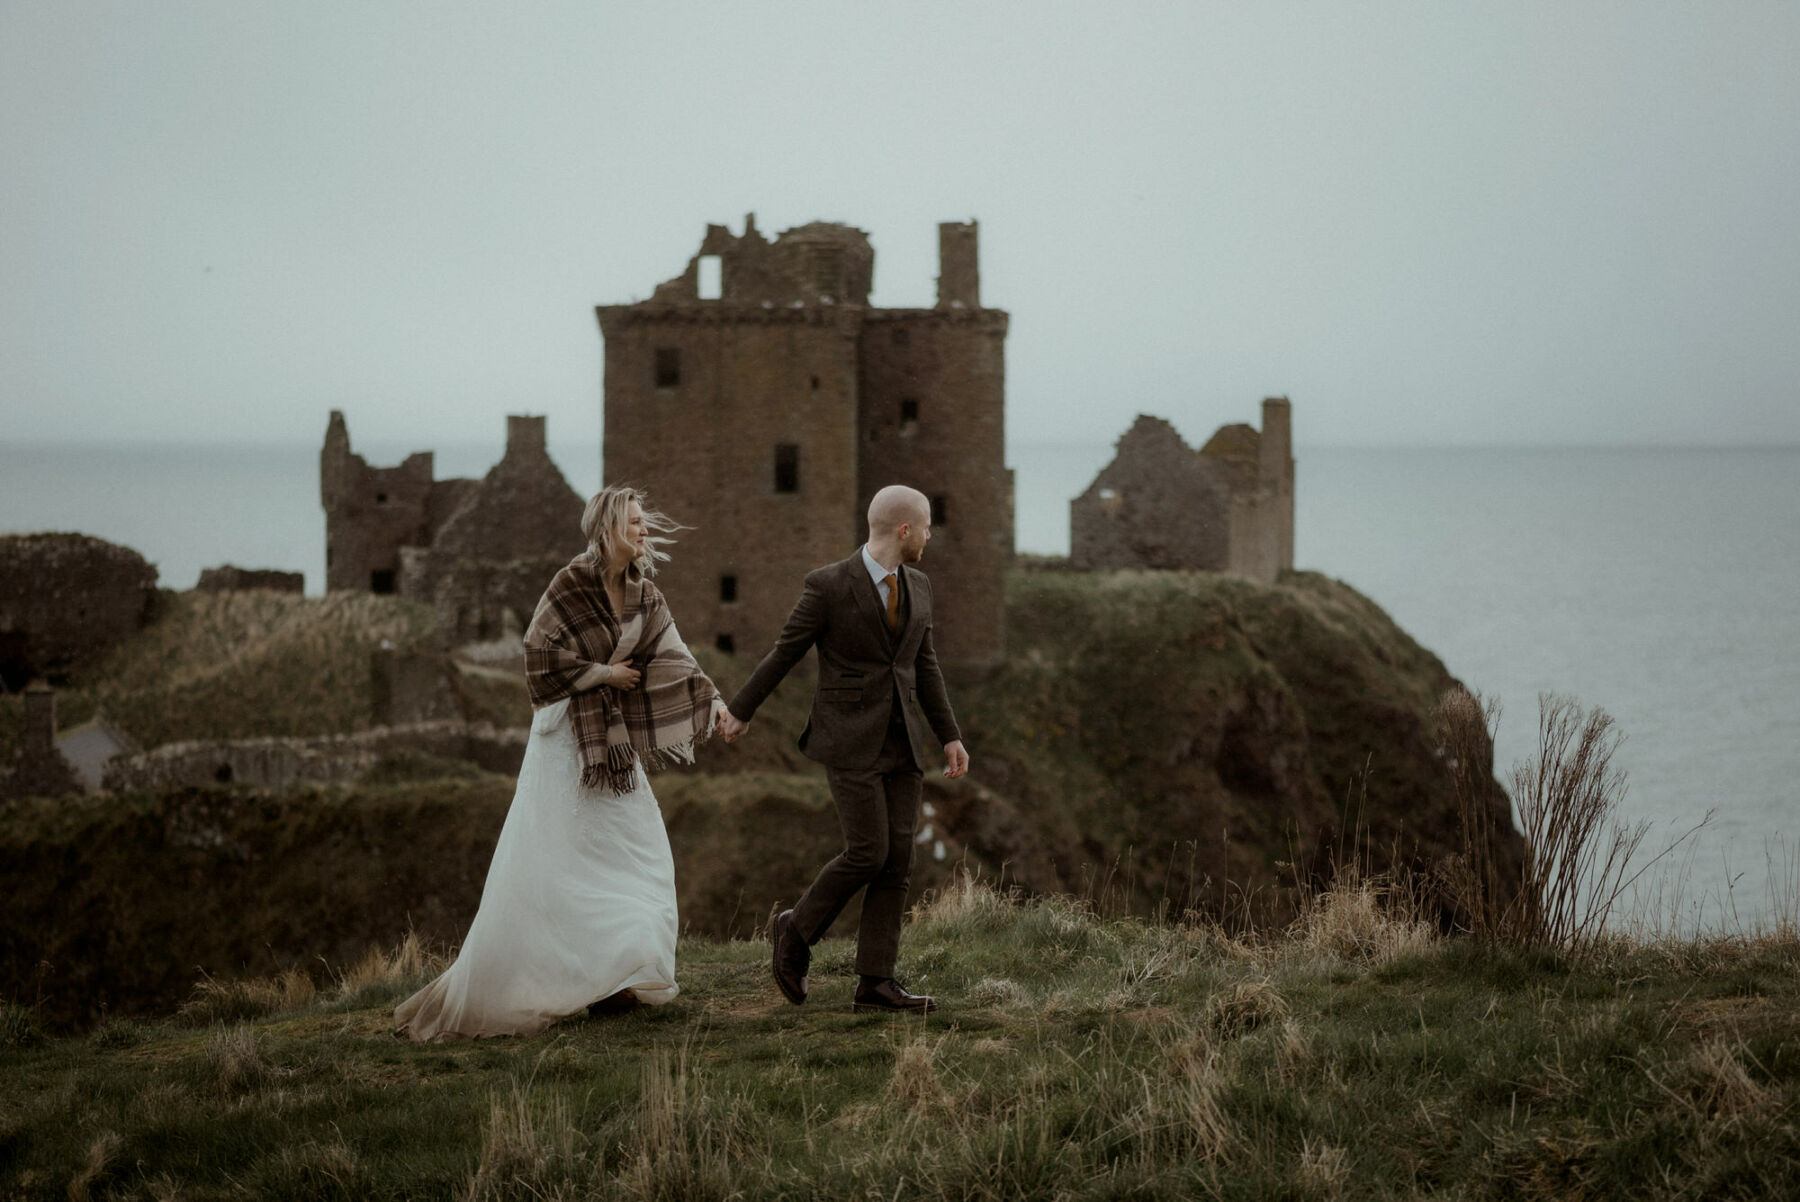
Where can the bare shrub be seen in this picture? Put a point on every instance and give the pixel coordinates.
(1580, 856)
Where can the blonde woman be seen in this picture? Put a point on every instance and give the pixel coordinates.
(579, 904)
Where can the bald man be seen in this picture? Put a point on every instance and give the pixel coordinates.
(879, 688)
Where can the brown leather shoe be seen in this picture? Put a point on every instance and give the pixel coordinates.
(622, 1002)
(791, 958)
(890, 996)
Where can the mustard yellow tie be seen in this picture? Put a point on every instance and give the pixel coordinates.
(893, 612)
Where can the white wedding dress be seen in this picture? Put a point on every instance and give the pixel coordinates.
(579, 904)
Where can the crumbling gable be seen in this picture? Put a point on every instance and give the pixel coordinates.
(480, 552)
(1228, 507)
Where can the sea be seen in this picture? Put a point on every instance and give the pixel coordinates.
(1661, 585)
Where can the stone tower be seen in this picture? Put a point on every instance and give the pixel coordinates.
(766, 414)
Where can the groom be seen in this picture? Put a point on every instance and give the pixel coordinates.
(879, 686)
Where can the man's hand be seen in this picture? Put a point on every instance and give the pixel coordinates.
(956, 760)
(729, 726)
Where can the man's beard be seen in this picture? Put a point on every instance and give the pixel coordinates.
(909, 554)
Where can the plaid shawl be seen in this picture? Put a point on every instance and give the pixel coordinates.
(662, 719)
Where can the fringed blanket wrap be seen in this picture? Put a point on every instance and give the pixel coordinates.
(660, 720)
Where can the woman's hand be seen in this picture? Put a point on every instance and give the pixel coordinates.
(623, 676)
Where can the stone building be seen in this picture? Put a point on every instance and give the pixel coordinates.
(1228, 507)
(761, 400)
(65, 600)
(478, 551)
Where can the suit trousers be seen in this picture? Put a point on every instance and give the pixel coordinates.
(878, 809)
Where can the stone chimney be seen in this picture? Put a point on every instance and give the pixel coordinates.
(525, 436)
(40, 720)
(1275, 461)
(959, 274)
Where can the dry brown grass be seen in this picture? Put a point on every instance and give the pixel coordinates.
(215, 1001)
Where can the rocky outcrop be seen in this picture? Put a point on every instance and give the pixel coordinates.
(65, 600)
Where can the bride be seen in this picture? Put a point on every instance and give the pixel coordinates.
(579, 905)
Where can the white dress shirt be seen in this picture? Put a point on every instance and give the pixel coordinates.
(878, 574)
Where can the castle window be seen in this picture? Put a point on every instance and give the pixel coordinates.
(939, 511)
(668, 366)
(815, 383)
(909, 415)
(710, 281)
(787, 467)
(728, 588)
(902, 336)
(381, 498)
(381, 582)
(726, 643)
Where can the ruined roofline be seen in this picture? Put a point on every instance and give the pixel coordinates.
(715, 313)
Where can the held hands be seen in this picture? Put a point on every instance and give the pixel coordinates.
(956, 760)
(728, 723)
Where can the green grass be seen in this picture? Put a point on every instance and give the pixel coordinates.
(238, 665)
(1356, 1055)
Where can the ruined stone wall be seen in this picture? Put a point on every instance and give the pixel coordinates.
(330, 759)
(706, 447)
(1156, 505)
(477, 599)
(932, 415)
(232, 579)
(65, 600)
(370, 513)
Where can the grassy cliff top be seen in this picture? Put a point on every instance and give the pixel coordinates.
(1356, 1055)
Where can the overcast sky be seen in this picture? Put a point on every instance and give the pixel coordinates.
(1425, 223)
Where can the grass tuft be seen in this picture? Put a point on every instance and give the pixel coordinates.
(214, 1001)
(1243, 1007)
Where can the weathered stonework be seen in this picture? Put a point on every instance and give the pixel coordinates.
(1228, 507)
(66, 599)
(40, 770)
(766, 417)
(330, 759)
(233, 579)
(478, 551)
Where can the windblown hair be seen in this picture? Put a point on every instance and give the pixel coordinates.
(604, 521)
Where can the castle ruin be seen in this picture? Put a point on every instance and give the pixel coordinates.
(761, 400)
(480, 552)
(1228, 507)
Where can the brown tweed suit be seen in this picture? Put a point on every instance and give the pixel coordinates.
(877, 692)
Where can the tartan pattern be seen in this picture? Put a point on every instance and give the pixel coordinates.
(660, 721)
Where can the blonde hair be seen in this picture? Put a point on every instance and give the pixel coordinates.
(606, 517)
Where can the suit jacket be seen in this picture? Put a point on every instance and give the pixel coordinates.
(864, 669)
